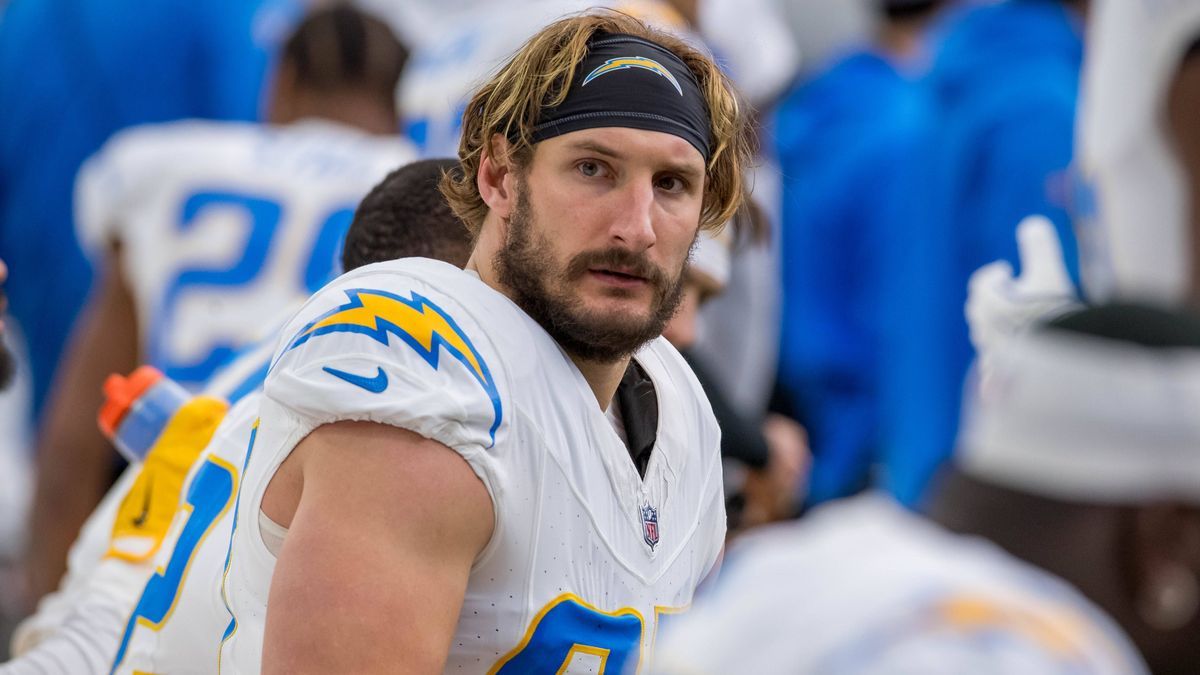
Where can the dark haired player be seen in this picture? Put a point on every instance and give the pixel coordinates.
(429, 228)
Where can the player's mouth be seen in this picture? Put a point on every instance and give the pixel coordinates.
(617, 277)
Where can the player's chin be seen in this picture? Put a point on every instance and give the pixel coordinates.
(619, 306)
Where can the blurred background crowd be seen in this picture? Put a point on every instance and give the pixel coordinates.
(901, 141)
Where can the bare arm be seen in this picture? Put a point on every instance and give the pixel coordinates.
(373, 571)
(74, 461)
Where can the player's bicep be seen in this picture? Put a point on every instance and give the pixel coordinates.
(373, 571)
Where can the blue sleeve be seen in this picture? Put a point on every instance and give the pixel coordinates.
(918, 314)
(825, 351)
(1023, 171)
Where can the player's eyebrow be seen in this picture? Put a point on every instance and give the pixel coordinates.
(684, 170)
(598, 148)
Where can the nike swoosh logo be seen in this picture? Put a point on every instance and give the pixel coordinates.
(141, 519)
(375, 385)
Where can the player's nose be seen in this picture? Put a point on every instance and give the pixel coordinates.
(633, 218)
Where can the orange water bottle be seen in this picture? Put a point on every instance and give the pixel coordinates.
(138, 408)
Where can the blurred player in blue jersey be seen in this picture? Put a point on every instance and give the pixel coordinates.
(204, 231)
(859, 357)
(91, 623)
(1006, 78)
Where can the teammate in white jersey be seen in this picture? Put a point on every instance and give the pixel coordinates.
(101, 619)
(204, 232)
(863, 586)
(504, 469)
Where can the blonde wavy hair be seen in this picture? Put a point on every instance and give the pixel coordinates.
(539, 76)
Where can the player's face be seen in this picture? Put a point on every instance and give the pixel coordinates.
(7, 366)
(598, 241)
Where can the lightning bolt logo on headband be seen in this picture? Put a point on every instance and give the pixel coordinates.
(417, 321)
(626, 62)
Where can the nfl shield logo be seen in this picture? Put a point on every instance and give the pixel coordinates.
(650, 525)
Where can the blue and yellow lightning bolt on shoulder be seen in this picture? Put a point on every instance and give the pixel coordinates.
(417, 321)
(626, 62)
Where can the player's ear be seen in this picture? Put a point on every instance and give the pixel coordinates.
(496, 176)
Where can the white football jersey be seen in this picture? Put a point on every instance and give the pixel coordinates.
(112, 606)
(863, 586)
(76, 628)
(221, 224)
(176, 625)
(587, 556)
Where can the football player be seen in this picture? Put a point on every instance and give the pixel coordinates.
(205, 231)
(102, 619)
(451, 483)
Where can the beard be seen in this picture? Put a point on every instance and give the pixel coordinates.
(526, 266)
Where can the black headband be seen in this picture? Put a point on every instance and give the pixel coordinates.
(626, 81)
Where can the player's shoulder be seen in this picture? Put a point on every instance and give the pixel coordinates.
(434, 337)
(438, 285)
(137, 158)
(345, 145)
(168, 139)
(395, 291)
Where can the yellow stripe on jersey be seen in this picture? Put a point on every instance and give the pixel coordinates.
(146, 512)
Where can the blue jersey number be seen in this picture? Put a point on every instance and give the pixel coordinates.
(568, 629)
(211, 492)
(327, 248)
(263, 217)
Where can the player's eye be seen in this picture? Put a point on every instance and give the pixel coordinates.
(672, 184)
(591, 168)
